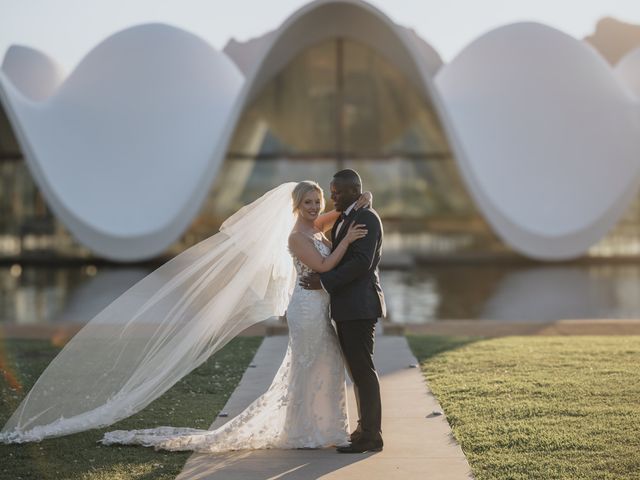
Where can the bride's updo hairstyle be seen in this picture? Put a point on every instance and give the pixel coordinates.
(301, 189)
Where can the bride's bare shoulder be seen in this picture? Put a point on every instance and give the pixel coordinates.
(296, 234)
(297, 237)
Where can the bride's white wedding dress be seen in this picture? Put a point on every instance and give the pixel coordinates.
(304, 407)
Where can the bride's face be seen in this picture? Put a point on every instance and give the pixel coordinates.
(310, 206)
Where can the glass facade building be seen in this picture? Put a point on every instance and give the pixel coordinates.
(338, 104)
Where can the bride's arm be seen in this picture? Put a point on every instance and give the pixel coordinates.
(308, 254)
(325, 221)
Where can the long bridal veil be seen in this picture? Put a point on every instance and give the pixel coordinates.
(165, 325)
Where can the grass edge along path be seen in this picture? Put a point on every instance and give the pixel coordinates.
(194, 401)
(539, 407)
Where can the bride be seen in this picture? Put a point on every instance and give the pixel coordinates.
(305, 406)
(175, 318)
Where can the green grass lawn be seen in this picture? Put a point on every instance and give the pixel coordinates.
(540, 407)
(194, 401)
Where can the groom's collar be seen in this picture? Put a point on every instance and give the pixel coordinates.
(349, 208)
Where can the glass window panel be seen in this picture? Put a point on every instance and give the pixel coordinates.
(8, 143)
(296, 111)
(382, 113)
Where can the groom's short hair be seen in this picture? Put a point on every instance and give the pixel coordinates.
(349, 177)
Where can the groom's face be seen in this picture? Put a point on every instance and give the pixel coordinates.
(342, 195)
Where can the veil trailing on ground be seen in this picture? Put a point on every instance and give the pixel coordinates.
(165, 325)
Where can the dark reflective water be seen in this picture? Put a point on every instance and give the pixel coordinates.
(39, 295)
(513, 293)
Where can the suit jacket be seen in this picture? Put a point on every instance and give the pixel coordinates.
(354, 284)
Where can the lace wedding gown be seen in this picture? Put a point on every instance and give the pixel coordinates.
(305, 405)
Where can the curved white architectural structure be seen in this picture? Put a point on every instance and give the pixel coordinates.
(124, 149)
(32, 72)
(548, 138)
(628, 70)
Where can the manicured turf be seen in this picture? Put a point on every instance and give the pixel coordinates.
(194, 402)
(540, 407)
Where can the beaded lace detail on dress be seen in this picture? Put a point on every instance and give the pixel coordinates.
(305, 405)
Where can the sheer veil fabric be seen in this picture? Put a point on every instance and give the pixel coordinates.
(165, 325)
(303, 407)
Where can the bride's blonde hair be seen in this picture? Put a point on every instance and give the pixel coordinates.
(301, 189)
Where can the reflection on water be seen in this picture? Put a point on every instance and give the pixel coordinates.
(53, 295)
(36, 295)
(513, 293)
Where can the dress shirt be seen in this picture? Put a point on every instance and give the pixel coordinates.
(346, 212)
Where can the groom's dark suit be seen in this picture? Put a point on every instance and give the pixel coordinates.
(356, 303)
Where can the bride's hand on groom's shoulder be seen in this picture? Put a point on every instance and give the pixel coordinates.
(365, 200)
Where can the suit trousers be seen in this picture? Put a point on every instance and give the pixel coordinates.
(356, 341)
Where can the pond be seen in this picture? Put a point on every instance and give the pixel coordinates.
(37, 295)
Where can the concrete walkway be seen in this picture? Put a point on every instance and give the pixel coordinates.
(418, 444)
(61, 332)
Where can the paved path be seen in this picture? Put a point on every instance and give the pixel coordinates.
(61, 332)
(418, 445)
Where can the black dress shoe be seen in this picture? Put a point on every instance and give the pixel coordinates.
(361, 446)
(355, 435)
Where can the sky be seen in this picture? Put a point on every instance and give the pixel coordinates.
(67, 30)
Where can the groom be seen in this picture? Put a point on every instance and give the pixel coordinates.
(356, 303)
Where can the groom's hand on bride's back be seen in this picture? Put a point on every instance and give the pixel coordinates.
(311, 282)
